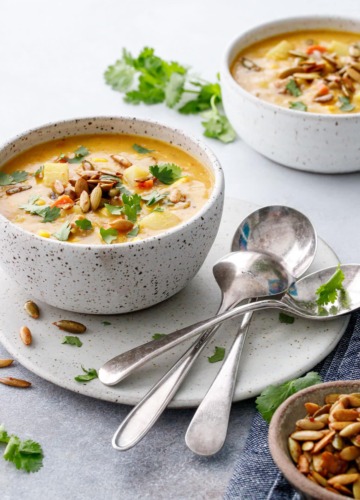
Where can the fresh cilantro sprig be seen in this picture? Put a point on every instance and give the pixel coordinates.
(72, 340)
(272, 397)
(219, 355)
(217, 125)
(89, 374)
(14, 178)
(79, 155)
(166, 173)
(25, 455)
(49, 214)
(150, 79)
(328, 292)
(131, 206)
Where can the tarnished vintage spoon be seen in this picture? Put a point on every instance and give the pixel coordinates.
(300, 300)
(286, 233)
(279, 230)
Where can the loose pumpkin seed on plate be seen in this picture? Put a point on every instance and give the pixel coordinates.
(32, 309)
(70, 326)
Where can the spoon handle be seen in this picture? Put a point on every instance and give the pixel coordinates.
(207, 431)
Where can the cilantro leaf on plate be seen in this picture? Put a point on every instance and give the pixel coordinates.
(166, 173)
(89, 374)
(72, 340)
(158, 336)
(272, 397)
(328, 292)
(218, 355)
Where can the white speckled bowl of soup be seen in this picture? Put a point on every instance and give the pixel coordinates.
(107, 215)
(291, 89)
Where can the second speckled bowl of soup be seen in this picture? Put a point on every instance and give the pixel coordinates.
(291, 89)
(107, 215)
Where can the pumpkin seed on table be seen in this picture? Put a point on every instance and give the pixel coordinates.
(32, 309)
(70, 326)
(25, 335)
(4, 363)
(15, 382)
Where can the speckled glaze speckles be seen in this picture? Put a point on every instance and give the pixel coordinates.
(111, 279)
(273, 351)
(306, 141)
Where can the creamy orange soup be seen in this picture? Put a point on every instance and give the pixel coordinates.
(102, 188)
(316, 71)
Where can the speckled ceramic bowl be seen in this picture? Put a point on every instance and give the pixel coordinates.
(307, 141)
(283, 424)
(118, 278)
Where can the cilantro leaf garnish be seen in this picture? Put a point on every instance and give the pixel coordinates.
(328, 292)
(158, 336)
(159, 81)
(298, 106)
(131, 206)
(218, 355)
(64, 232)
(158, 209)
(108, 235)
(106, 323)
(134, 232)
(89, 374)
(141, 150)
(345, 104)
(80, 154)
(114, 209)
(72, 340)
(14, 178)
(39, 172)
(285, 318)
(25, 455)
(272, 397)
(166, 173)
(293, 88)
(217, 125)
(153, 197)
(48, 214)
(84, 224)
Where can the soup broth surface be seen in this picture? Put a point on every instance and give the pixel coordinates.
(106, 189)
(314, 71)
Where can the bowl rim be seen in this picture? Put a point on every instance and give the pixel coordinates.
(228, 59)
(216, 170)
(282, 459)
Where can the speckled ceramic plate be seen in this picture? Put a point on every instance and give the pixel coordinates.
(273, 352)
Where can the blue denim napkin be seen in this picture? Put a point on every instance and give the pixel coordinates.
(256, 476)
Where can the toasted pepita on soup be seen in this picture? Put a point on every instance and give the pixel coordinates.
(320, 66)
(123, 186)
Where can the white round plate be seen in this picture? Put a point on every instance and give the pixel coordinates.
(274, 352)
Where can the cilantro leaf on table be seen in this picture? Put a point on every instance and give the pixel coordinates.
(84, 224)
(89, 374)
(150, 79)
(80, 154)
(25, 455)
(328, 292)
(217, 125)
(64, 232)
(14, 178)
(293, 88)
(166, 173)
(218, 355)
(141, 150)
(272, 397)
(72, 340)
(108, 235)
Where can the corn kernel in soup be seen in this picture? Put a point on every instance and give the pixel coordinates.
(103, 188)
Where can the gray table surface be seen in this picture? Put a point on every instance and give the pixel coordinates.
(52, 56)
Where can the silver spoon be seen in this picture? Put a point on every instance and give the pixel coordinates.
(279, 230)
(286, 233)
(300, 300)
(256, 275)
